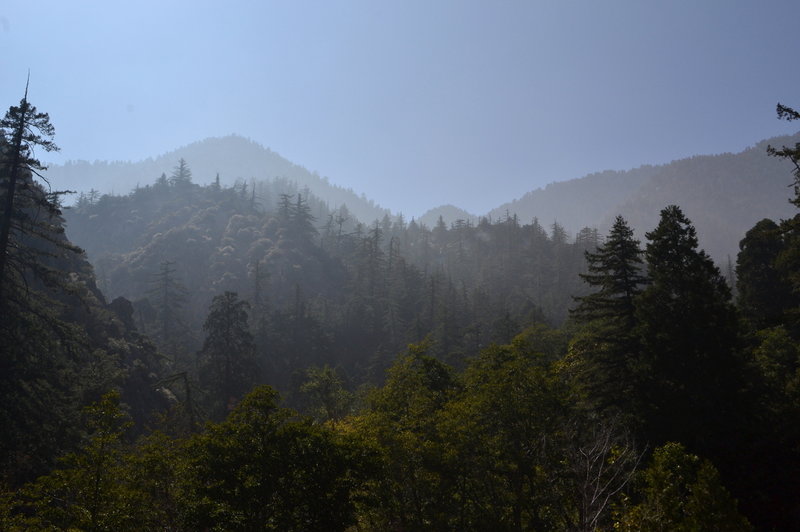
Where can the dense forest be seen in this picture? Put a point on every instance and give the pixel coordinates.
(724, 194)
(245, 357)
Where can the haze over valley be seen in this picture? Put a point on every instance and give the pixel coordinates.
(369, 266)
(724, 194)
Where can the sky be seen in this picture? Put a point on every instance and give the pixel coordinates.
(415, 103)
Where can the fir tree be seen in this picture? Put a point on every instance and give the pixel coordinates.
(21, 131)
(169, 296)
(688, 329)
(608, 347)
(227, 360)
(764, 293)
(181, 174)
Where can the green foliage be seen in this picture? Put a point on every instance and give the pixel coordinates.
(498, 447)
(326, 396)
(681, 493)
(39, 414)
(764, 291)
(85, 493)
(604, 353)
(538, 432)
(690, 371)
(510, 430)
(615, 270)
(22, 130)
(261, 470)
(61, 346)
(410, 490)
(778, 359)
(339, 292)
(154, 474)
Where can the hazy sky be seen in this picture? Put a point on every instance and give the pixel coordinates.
(414, 103)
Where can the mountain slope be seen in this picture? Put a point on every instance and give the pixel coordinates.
(724, 196)
(576, 203)
(449, 214)
(232, 157)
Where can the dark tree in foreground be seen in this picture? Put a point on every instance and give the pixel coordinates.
(688, 328)
(261, 470)
(681, 491)
(607, 347)
(765, 295)
(21, 130)
(790, 154)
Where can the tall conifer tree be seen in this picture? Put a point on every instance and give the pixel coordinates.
(21, 130)
(688, 329)
(607, 348)
(227, 361)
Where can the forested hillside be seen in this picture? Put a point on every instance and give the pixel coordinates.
(724, 194)
(449, 214)
(354, 294)
(232, 158)
(61, 344)
(270, 363)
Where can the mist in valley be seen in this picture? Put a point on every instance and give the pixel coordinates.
(399, 266)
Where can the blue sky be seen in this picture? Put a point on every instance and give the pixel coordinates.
(413, 103)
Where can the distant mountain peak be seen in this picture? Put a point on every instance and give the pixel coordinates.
(233, 157)
(449, 214)
(723, 194)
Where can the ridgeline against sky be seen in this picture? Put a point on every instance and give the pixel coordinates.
(415, 104)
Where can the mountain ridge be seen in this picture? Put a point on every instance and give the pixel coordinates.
(738, 189)
(233, 157)
(723, 194)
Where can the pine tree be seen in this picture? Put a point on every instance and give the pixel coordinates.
(301, 221)
(169, 297)
(608, 347)
(788, 261)
(790, 154)
(615, 270)
(764, 293)
(181, 174)
(227, 360)
(688, 329)
(21, 131)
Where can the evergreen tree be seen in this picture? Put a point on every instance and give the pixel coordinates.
(181, 174)
(301, 221)
(788, 153)
(688, 329)
(169, 296)
(227, 360)
(615, 270)
(764, 293)
(44, 358)
(21, 131)
(607, 348)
